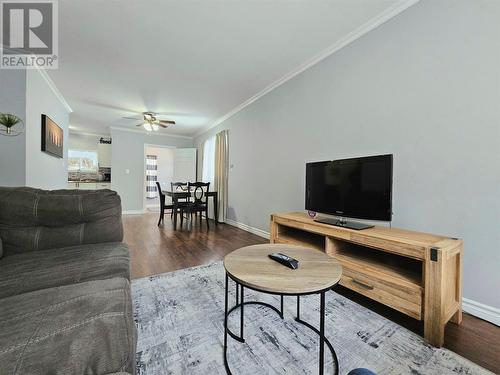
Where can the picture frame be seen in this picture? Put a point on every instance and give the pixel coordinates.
(52, 137)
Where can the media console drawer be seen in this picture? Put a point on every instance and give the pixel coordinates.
(405, 300)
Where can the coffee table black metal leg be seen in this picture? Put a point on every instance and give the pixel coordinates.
(298, 307)
(322, 335)
(225, 326)
(242, 314)
(281, 309)
(240, 303)
(237, 293)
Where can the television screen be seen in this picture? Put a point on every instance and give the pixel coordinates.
(358, 188)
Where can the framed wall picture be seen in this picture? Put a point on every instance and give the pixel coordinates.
(52, 137)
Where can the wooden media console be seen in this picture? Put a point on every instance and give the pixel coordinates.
(418, 274)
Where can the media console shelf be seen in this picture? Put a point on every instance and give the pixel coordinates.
(418, 274)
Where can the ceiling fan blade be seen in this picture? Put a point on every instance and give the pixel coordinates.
(163, 126)
(166, 122)
(133, 118)
(141, 124)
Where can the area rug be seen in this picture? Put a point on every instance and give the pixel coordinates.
(180, 322)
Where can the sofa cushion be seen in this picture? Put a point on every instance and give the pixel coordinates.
(83, 328)
(37, 270)
(34, 219)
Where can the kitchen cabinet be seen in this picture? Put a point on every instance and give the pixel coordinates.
(103, 185)
(82, 185)
(104, 152)
(89, 185)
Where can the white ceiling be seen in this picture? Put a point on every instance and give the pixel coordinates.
(195, 60)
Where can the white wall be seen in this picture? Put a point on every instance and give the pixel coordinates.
(44, 171)
(78, 141)
(424, 86)
(22, 163)
(12, 149)
(127, 153)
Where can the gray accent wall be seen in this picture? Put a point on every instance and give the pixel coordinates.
(12, 149)
(127, 154)
(424, 86)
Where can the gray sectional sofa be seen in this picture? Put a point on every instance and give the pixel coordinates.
(65, 304)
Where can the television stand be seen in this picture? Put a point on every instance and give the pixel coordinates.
(418, 274)
(343, 223)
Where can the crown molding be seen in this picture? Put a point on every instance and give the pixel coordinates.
(47, 79)
(146, 133)
(373, 23)
(54, 89)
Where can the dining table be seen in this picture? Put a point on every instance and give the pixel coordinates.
(177, 195)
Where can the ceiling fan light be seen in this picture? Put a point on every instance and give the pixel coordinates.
(155, 127)
(147, 126)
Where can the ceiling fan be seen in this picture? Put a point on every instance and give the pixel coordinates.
(152, 122)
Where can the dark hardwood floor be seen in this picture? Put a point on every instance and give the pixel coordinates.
(157, 250)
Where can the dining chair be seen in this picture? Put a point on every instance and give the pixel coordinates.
(176, 186)
(199, 202)
(180, 186)
(181, 202)
(163, 206)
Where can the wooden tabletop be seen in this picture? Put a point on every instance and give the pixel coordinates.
(185, 193)
(252, 267)
(417, 240)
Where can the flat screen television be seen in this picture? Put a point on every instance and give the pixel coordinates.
(357, 188)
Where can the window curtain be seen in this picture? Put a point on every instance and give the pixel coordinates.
(151, 175)
(208, 169)
(199, 169)
(221, 171)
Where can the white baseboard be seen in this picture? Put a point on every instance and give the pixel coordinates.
(488, 313)
(133, 212)
(248, 228)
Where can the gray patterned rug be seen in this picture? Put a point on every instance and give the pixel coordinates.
(180, 315)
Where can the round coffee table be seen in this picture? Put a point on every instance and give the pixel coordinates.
(250, 267)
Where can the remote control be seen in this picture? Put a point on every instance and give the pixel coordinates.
(285, 260)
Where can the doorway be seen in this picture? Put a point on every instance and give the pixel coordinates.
(159, 168)
(165, 164)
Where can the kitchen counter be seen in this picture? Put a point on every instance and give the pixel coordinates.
(89, 185)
